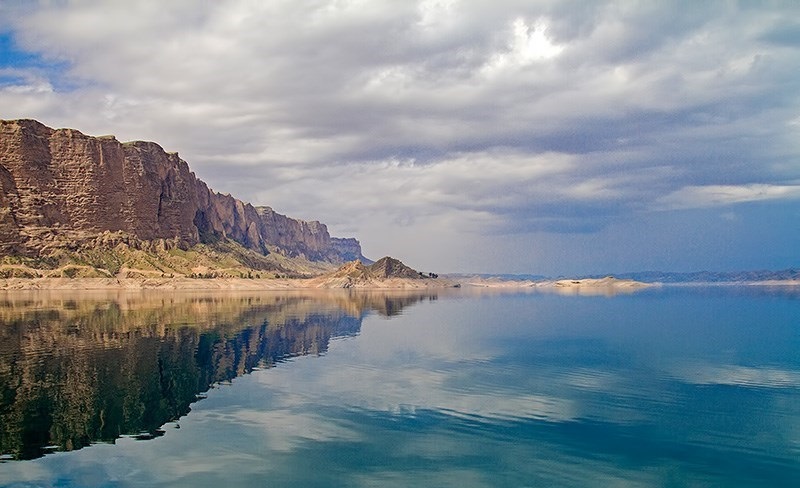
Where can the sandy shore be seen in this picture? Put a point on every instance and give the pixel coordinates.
(182, 283)
(776, 283)
(568, 286)
(144, 283)
(588, 286)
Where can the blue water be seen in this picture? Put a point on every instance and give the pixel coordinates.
(669, 387)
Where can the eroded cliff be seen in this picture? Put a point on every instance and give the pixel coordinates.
(61, 189)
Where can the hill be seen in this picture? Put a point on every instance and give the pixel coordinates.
(387, 272)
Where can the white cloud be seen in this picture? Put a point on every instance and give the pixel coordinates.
(529, 44)
(721, 195)
(25, 82)
(435, 14)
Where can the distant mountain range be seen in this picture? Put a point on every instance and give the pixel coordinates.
(713, 276)
(661, 276)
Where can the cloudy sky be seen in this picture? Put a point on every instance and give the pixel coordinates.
(550, 137)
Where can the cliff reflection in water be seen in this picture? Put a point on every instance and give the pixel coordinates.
(74, 371)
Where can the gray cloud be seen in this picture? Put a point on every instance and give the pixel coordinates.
(459, 120)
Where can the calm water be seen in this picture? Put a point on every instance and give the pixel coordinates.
(674, 387)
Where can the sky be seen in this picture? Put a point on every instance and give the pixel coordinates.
(504, 136)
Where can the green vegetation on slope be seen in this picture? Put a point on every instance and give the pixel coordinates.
(115, 254)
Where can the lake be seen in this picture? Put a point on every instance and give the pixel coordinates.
(665, 387)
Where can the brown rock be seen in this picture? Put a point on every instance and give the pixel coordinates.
(59, 188)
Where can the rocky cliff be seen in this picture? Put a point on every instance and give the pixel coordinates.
(349, 249)
(60, 188)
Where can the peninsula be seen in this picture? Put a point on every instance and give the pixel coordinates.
(81, 212)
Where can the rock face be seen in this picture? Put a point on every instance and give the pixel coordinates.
(310, 239)
(349, 249)
(61, 187)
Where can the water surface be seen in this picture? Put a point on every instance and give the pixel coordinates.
(665, 387)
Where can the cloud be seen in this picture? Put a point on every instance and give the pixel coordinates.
(721, 195)
(528, 44)
(489, 118)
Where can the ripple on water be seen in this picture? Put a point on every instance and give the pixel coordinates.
(736, 375)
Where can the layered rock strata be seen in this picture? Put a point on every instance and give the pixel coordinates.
(59, 187)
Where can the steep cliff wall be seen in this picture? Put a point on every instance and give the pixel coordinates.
(308, 238)
(349, 249)
(61, 187)
(9, 230)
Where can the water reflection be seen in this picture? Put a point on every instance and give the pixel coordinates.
(78, 369)
(674, 386)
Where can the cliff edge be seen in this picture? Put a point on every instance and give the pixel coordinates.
(62, 191)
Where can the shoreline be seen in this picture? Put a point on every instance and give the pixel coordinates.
(244, 284)
(210, 284)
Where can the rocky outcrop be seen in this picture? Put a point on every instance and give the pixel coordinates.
(348, 249)
(386, 273)
(62, 188)
(388, 267)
